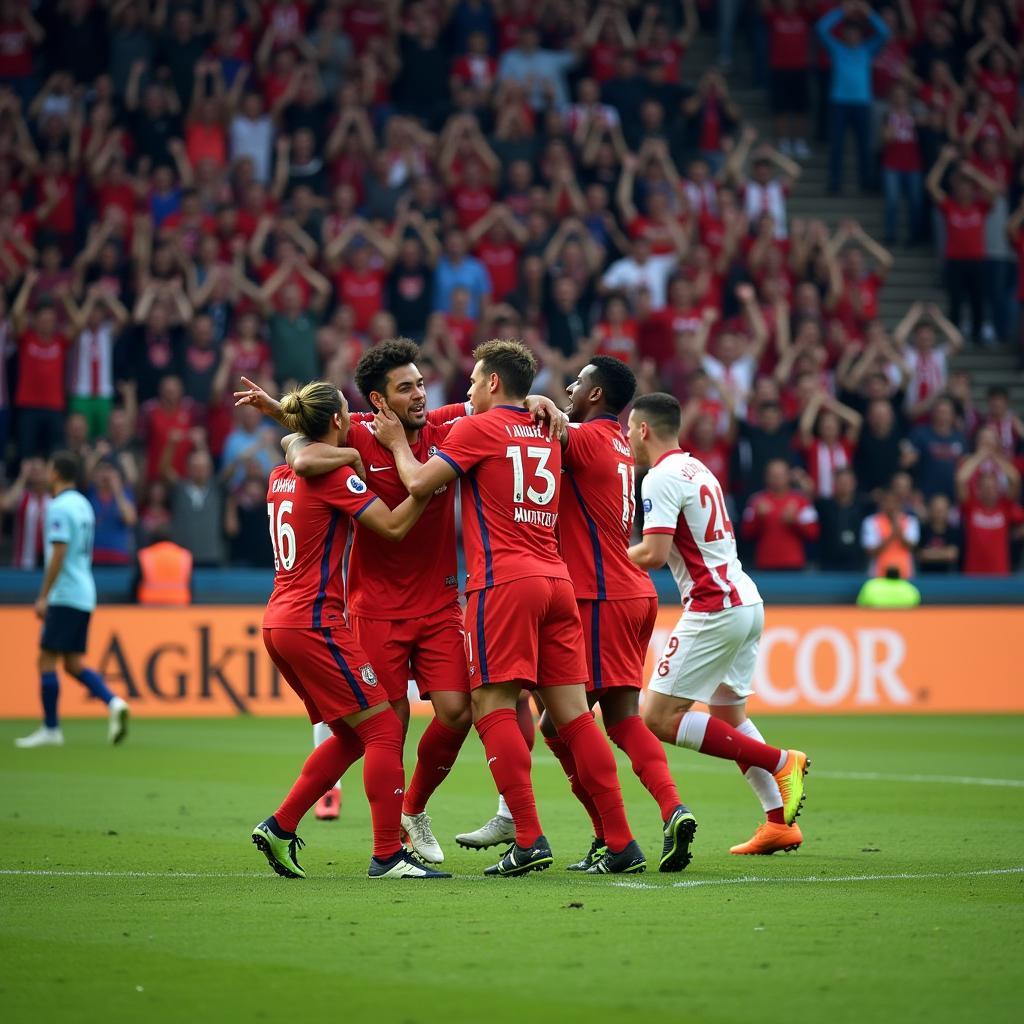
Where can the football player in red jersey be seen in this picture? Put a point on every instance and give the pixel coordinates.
(522, 626)
(308, 639)
(616, 599)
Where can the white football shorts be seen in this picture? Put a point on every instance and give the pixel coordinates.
(710, 656)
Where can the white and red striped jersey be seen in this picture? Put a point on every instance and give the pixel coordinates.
(682, 497)
(29, 520)
(92, 363)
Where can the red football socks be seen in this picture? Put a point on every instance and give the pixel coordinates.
(595, 766)
(699, 731)
(650, 765)
(508, 757)
(527, 725)
(384, 780)
(328, 762)
(557, 747)
(435, 756)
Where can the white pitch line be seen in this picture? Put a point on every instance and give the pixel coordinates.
(708, 767)
(697, 883)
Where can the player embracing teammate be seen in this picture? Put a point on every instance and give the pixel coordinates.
(522, 625)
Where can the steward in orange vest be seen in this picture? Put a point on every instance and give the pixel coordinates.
(165, 574)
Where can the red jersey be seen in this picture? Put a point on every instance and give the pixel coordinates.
(965, 229)
(501, 259)
(668, 56)
(595, 517)
(470, 204)
(1003, 89)
(987, 535)
(511, 474)
(309, 527)
(901, 151)
(158, 425)
(363, 291)
(419, 574)
(780, 544)
(41, 371)
(789, 40)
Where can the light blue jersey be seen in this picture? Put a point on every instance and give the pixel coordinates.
(70, 520)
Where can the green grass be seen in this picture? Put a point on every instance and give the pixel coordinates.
(237, 942)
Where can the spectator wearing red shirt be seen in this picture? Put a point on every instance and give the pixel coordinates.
(360, 285)
(40, 399)
(19, 33)
(26, 501)
(780, 520)
(789, 61)
(167, 423)
(607, 35)
(997, 75)
(964, 215)
(901, 165)
(857, 304)
(496, 240)
(989, 521)
(700, 435)
(616, 333)
(658, 46)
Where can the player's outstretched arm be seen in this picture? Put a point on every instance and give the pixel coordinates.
(421, 479)
(652, 552)
(393, 524)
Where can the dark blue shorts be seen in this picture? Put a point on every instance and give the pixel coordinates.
(65, 630)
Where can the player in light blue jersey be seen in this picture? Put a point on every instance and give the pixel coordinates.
(65, 604)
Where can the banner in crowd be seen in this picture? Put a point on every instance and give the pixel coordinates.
(209, 661)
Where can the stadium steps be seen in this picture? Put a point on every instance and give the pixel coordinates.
(916, 273)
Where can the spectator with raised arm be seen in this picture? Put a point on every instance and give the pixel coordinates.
(852, 51)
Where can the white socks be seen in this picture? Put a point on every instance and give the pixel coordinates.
(503, 811)
(761, 782)
(320, 732)
(692, 727)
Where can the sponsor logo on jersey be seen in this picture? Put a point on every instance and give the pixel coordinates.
(379, 469)
(432, 451)
(450, 581)
(368, 675)
(648, 505)
(355, 485)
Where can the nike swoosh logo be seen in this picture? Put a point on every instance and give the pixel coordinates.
(379, 469)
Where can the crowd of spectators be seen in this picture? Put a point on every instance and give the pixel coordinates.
(192, 192)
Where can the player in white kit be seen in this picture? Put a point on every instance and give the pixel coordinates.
(712, 652)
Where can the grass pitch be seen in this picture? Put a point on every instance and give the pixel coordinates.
(130, 891)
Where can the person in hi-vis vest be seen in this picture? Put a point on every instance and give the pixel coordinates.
(164, 575)
(889, 538)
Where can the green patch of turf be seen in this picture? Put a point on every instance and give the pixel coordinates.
(153, 905)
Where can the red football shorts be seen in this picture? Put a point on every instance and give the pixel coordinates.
(429, 649)
(527, 630)
(616, 635)
(327, 668)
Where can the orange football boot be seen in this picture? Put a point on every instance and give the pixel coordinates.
(328, 806)
(771, 837)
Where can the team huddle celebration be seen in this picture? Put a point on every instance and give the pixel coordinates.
(559, 610)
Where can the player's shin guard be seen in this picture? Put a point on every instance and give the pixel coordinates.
(435, 756)
(384, 779)
(558, 747)
(650, 765)
(93, 682)
(761, 782)
(527, 723)
(49, 689)
(596, 767)
(699, 731)
(508, 757)
(322, 769)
